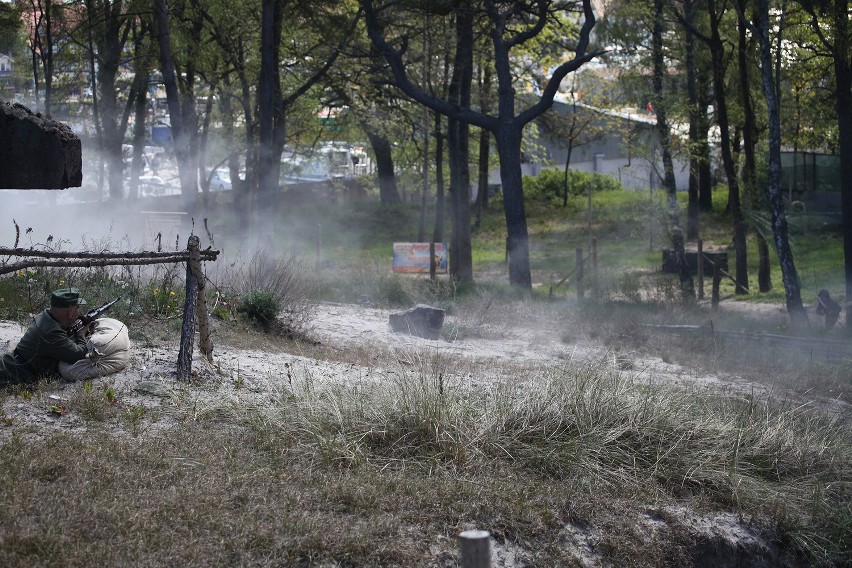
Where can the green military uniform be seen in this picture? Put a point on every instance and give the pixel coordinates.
(44, 345)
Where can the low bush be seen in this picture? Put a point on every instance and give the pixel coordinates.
(261, 307)
(549, 184)
(277, 291)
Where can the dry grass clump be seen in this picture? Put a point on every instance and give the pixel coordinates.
(386, 469)
(284, 278)
(596, 432)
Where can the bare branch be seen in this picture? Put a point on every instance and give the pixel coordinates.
(105, 256)
(580, 58)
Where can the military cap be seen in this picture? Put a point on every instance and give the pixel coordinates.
(66, 297)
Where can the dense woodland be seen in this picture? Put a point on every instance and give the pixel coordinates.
(440, 88)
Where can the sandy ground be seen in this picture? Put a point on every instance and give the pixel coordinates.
(364, 342)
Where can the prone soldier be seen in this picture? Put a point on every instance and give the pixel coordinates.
(49, 340)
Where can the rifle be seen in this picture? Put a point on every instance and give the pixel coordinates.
(91, 316)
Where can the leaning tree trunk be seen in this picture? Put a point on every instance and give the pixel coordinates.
(717, 51)
(789, 275)
(749, 169)
(843, 78)
(694, 111)
(664, 134)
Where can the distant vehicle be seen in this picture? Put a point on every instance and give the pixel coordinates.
(150, 186)
(221, 180)
(332, 160)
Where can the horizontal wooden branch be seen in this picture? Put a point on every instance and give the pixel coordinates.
(184, 255)
(91, 263)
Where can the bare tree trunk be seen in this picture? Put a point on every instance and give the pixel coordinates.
(138, 101)
(705, 175)
(248, 193)
(458, 140)
(717, 50)
(140, 133)
(110, 36)
(180, 136)
(843, 78)
(47, 58)
(482, 183)
(202, 145)
(664, 134)
(749, 170)
(789, 275)
(694, 112)
(509, 149)
(438, 231)
(484, 142)
(388, 191)
(267, 95)
(565, 171)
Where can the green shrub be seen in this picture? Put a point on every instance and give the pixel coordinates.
(549, 184)
(261, 307)
(275, 292)
(392, 290)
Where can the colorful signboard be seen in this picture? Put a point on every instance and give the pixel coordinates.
(413, 258)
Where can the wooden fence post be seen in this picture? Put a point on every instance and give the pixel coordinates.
(700, 269)
(187, 332)
(580, 291)
(205, 336)
(717, 278)
(475, 549)
(432, 268)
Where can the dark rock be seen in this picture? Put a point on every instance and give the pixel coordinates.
(37, 152)
(421, 320)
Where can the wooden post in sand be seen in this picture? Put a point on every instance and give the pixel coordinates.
(475, 549)
(205, 336)
(187, 331)
(195, 309)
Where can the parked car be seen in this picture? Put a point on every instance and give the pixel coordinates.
(221, 180)
(151, 185)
